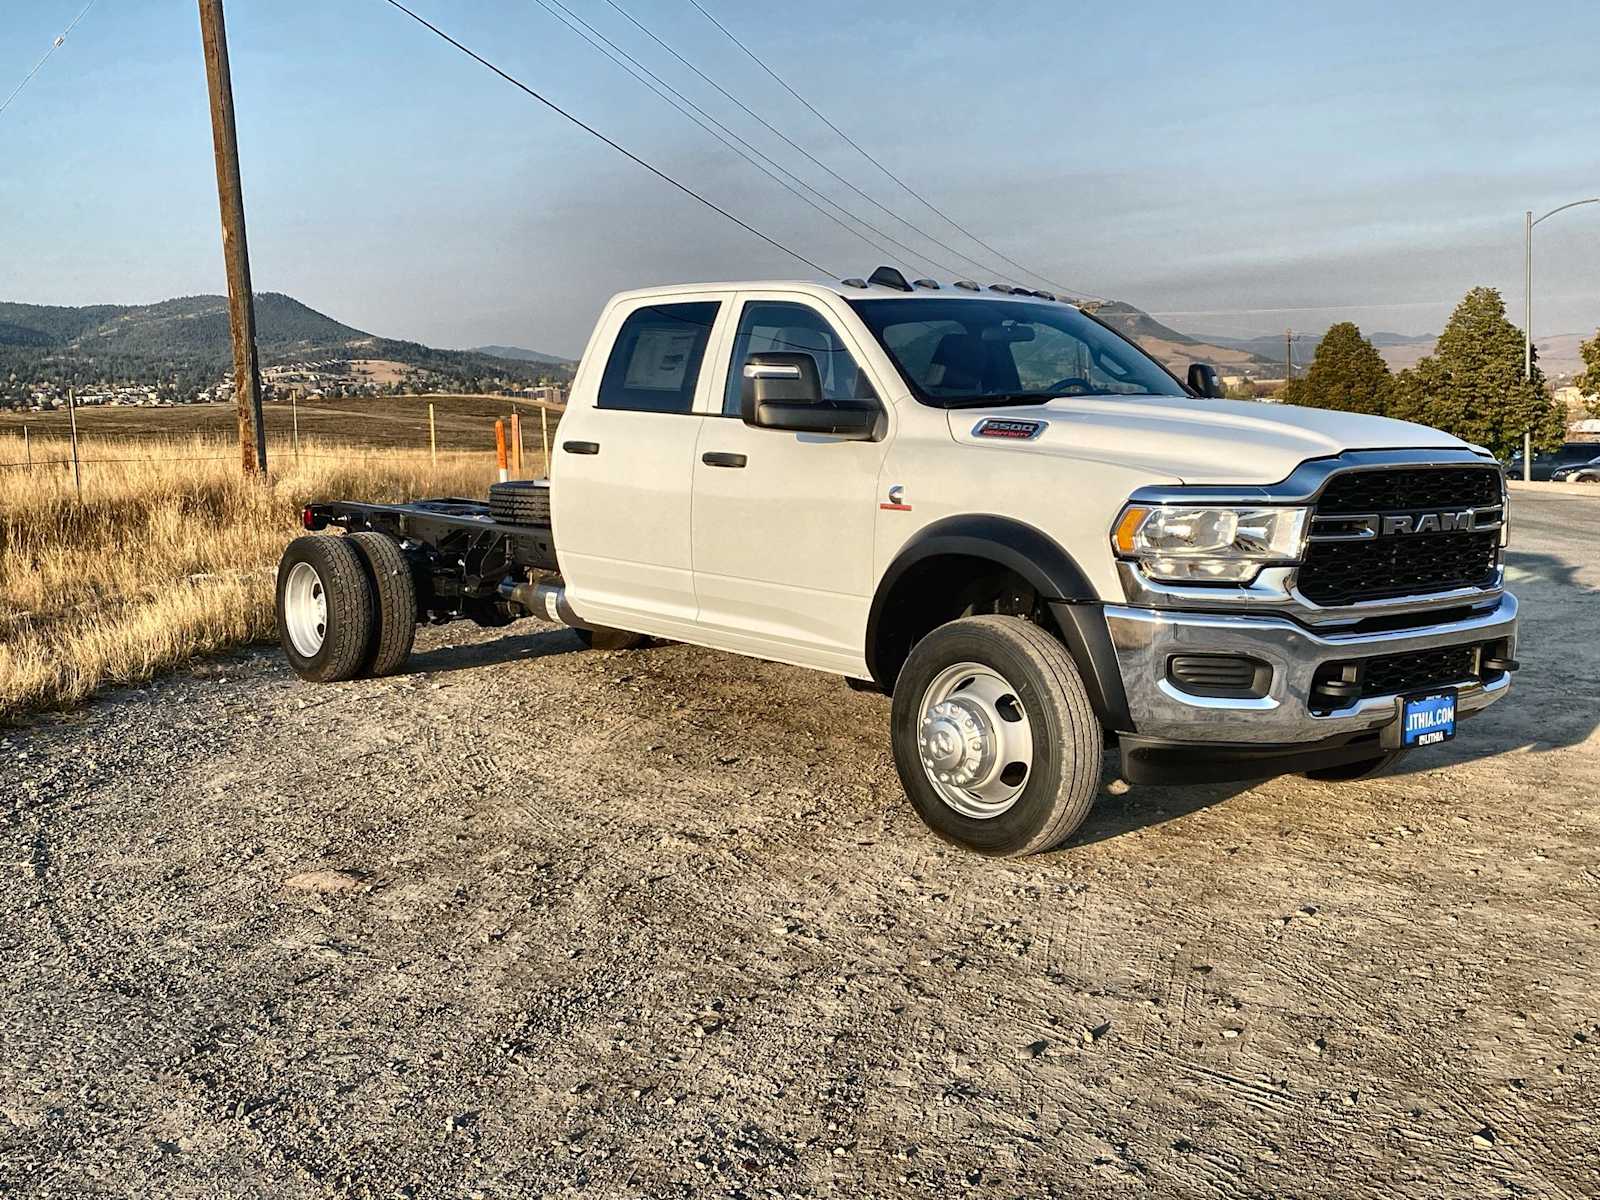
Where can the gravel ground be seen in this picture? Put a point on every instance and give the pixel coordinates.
(531, 921)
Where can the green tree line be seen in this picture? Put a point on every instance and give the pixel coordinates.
(1472, 385)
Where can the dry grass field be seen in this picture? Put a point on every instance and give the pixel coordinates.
(170, 553)
(462, 422)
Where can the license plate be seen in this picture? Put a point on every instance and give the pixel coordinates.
(1428, 720)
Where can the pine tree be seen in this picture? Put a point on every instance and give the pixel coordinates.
(1347, 373)
(1472, 384)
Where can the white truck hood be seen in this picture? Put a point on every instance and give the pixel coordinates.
(1196, 440)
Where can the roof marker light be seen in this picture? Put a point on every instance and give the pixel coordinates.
(853, 282)
(889, 277)
(932, 284)
(968, 285)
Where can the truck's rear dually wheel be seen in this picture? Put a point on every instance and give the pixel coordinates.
(325, 609)
(995, 739)
(394, 592)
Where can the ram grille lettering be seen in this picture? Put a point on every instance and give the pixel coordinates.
(1399, 524)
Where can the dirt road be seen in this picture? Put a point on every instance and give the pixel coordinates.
(535, 922)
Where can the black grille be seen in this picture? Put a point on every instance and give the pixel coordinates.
(1376, 568)
(1348, 571)
(1418, 669)
(1406, 490)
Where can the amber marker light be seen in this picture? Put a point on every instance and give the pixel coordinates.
(1132, 517)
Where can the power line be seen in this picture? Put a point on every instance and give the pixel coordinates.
(54, 46)
(906, 187)
(766, 164)
(595, 133)
(801, 150)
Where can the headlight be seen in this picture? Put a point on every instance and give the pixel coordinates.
(1208, 545)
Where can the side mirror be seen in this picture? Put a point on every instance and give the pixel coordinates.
(784, 391)
(1203, 381)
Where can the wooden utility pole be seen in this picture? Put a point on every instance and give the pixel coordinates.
(1288, 354)
(235, 252)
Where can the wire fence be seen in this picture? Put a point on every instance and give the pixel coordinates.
(527, 428)
(373, 451)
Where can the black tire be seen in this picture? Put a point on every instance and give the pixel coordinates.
(1068, 744)
(520, 502)
(1350, 772)
(344, 640)
(394, 591)
(608, 639)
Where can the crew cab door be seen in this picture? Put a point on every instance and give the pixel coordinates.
(624, 467)
(784, 521)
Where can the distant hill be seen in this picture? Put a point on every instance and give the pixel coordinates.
(1270, 346)
(518, 354)
(1559, 354)
(189, 337)
(1175, 350)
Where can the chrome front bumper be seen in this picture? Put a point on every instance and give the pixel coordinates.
(1146, 638)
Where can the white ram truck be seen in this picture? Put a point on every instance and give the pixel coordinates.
(988, 504)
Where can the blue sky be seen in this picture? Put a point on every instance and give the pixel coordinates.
(1198, 159)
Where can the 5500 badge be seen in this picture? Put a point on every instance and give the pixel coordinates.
(1013, 429)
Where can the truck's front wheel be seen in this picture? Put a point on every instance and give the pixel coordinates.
(995, 740)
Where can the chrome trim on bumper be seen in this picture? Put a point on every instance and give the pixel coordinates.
(1145, 638)
(1274, 593)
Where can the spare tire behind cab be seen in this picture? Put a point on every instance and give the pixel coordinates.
(520, 502)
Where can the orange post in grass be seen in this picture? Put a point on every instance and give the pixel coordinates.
(500, 448)
(516, 443)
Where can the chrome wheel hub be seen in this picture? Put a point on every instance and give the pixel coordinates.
(975, 740)
(305, 609)
(957, 742)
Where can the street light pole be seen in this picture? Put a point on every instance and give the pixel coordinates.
(1529, 221)
(1527, 295)
(1527, 334)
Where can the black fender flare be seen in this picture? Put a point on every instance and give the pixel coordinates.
(1032, 554)
(1052, 573)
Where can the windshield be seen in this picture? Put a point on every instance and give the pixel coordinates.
(969, 353)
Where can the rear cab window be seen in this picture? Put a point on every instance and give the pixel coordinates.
(656, 359)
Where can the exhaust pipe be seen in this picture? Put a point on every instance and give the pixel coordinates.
(542, 599)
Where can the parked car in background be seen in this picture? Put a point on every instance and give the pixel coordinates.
(1584, 472)
(1580, 459)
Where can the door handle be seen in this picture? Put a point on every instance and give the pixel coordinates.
(581, 447)
(721, 458)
